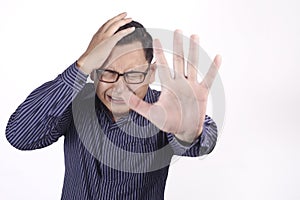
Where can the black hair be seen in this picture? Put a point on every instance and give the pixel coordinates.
(140, 34)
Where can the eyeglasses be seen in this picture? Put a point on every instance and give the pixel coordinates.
(131, 77)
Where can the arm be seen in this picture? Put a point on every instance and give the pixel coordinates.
(203, 145)
(181, 107)
(46, 113)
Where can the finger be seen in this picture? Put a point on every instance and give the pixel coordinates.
(154, 113)
(116, 25)
(162, 65)
(135, 103)
(178, 54)
(107, 24)
(212, 72)
(193, 59)
(99, 54)
(119, 35)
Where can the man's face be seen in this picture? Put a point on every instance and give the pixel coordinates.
(124, 58)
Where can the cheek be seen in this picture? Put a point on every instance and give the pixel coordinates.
(140, 90)
(140, 87)
(101, 88)
(136, 87)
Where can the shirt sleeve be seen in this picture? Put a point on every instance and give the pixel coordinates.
(46, 113)
(203, 145)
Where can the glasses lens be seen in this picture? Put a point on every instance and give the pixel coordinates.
(107, 76)
(134, 77)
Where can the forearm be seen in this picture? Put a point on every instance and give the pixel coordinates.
(202, 145)
(45, 114)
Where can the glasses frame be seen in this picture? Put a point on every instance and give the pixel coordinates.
(122, 74)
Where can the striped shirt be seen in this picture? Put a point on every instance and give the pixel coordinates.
(104, 159)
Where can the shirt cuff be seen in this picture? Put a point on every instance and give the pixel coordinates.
(73, 77)
(180, 147)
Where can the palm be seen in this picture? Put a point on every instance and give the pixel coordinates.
(181, 107)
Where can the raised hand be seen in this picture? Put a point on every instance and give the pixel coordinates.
(103, 42)
(181, 107)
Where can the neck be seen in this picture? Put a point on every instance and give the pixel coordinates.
(118, 116)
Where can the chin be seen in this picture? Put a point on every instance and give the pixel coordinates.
(118, 110)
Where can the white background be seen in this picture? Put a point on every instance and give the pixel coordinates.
(257, 155)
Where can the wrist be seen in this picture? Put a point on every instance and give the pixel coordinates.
(80, 64)
(183, 142)
(186, 141)
(186, 138)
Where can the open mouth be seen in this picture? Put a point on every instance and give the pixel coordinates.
(115, 100)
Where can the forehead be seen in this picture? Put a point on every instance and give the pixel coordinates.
(124, 57)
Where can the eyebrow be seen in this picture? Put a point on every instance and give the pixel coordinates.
(138, 68)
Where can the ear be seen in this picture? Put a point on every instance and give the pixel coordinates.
(152, 72)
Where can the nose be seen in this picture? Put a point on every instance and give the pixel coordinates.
(119, 86)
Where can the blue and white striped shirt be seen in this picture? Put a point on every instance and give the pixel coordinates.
(127, 159)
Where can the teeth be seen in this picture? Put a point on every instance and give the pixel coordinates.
(116, 99)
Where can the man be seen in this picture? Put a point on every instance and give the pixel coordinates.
(119, 142)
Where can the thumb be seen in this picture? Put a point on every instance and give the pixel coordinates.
(135, 103)
(153, 112)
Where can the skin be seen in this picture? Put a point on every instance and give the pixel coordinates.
(181, 108)
(124, 58)
(102, 43)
